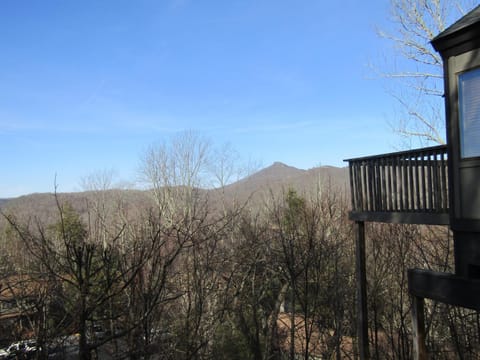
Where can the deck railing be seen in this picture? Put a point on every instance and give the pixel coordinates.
(411, 182)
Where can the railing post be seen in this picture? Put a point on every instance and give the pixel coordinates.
(361, 278)
(418, 325)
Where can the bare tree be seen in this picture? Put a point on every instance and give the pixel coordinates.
(257, 290)
(176, 171)
(150, 292)
(88, 273)
(417, 75)
(310, 242)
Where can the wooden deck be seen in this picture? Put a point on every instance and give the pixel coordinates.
(402, 187)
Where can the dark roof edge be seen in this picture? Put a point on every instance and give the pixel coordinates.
(440, 42)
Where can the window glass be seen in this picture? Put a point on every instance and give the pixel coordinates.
(469, 106)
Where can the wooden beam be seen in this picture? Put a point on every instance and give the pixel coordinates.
(361, 278)
(447, 288)
(398, 217)
(418, 325)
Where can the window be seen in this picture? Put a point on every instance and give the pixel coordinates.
(469, 111)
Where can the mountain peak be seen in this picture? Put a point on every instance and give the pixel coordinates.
(279, 163)
(277, 172)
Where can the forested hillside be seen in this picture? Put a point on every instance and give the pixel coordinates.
(255, 189)
(259, 269)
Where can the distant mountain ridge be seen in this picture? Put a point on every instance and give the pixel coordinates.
(270, 180)
(4, 201)
(279, 176)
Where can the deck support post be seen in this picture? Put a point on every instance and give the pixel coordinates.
(418, 325)
(361, 279)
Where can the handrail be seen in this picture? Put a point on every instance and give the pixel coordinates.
(407, 181)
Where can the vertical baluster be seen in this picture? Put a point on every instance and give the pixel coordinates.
(404, 183)
(383, 185)
(435, 182)
(399, 183)
(371, 179)
(365, 185)
(417, 184)
(395, 188)
(378, 188)
(358, 189)
(431, 185)
(411, 190)
(424, 193)
(373, 186)
(390, 182)
(363, 192)
(352, 185)
(444, 183)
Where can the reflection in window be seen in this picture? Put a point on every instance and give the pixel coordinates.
(469, 107)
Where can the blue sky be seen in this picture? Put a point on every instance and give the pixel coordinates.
(88, 85)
